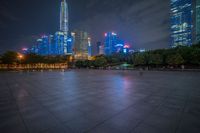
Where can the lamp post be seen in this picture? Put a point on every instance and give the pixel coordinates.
(20, 57)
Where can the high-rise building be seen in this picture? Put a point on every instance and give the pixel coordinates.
(184, 22)
(101, 50)
(80, 45)
(64, 24)
(98, 47)
(197, 21)
(89, 47)
(64, 17)
(51, 44)
(70, 46)
(59, 43)
(113, 44)
(110, 42)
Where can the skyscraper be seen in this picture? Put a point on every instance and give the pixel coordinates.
(184, 22)
(80, 45)
(99, 44)
(59, 43)
(110, 42)
(198, 20)
(113, 44)
(64, 17)
(64, 22)
(89, 47)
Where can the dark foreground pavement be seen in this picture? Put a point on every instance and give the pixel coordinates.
(100, 102)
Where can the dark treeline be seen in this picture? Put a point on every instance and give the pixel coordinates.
(189, 57)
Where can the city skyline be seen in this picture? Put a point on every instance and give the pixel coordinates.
(46, 21)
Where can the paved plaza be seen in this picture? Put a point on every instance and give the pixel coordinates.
(97, 101)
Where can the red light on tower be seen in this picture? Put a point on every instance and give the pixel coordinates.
(126, 46)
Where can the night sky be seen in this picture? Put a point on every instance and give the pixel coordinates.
(142, 23)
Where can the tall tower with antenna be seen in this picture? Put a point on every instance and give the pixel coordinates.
(64, 20)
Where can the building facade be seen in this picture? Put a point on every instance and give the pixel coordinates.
(89, 47)
(184, 22)
(59, 40)
(80, 45)
(64, 24)
(112, 44)
(197, 20)
(98, 47)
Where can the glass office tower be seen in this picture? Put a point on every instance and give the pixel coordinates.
(64, 17)
(110, 42)
(113, 44)
(59, 43)
(181, 22)
(198, 21)
(80, 42)
(184, 22)
(64, 22)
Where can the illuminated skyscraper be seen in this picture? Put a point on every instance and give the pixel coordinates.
(198, 20)
(110, 42)
(99, 44)
(64, 22)
(64, 17)
(89, 47)
(59, 43)
(81, 41)
(185, 20)
(113, 44)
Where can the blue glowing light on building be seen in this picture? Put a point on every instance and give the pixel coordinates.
(59, 43)
(70, 46)
(110, 42)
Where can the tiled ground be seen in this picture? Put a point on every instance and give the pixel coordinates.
(99, 102)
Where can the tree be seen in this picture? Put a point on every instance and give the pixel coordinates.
(139, 59)
(195, 55)
(155, 59)
(176, 59)
(33, 59)
(0, 59)
(10, 57)
(79, 64)
(100, 62)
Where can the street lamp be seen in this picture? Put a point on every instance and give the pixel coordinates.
(20, 57)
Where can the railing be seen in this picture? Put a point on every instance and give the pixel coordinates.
(33, 66)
